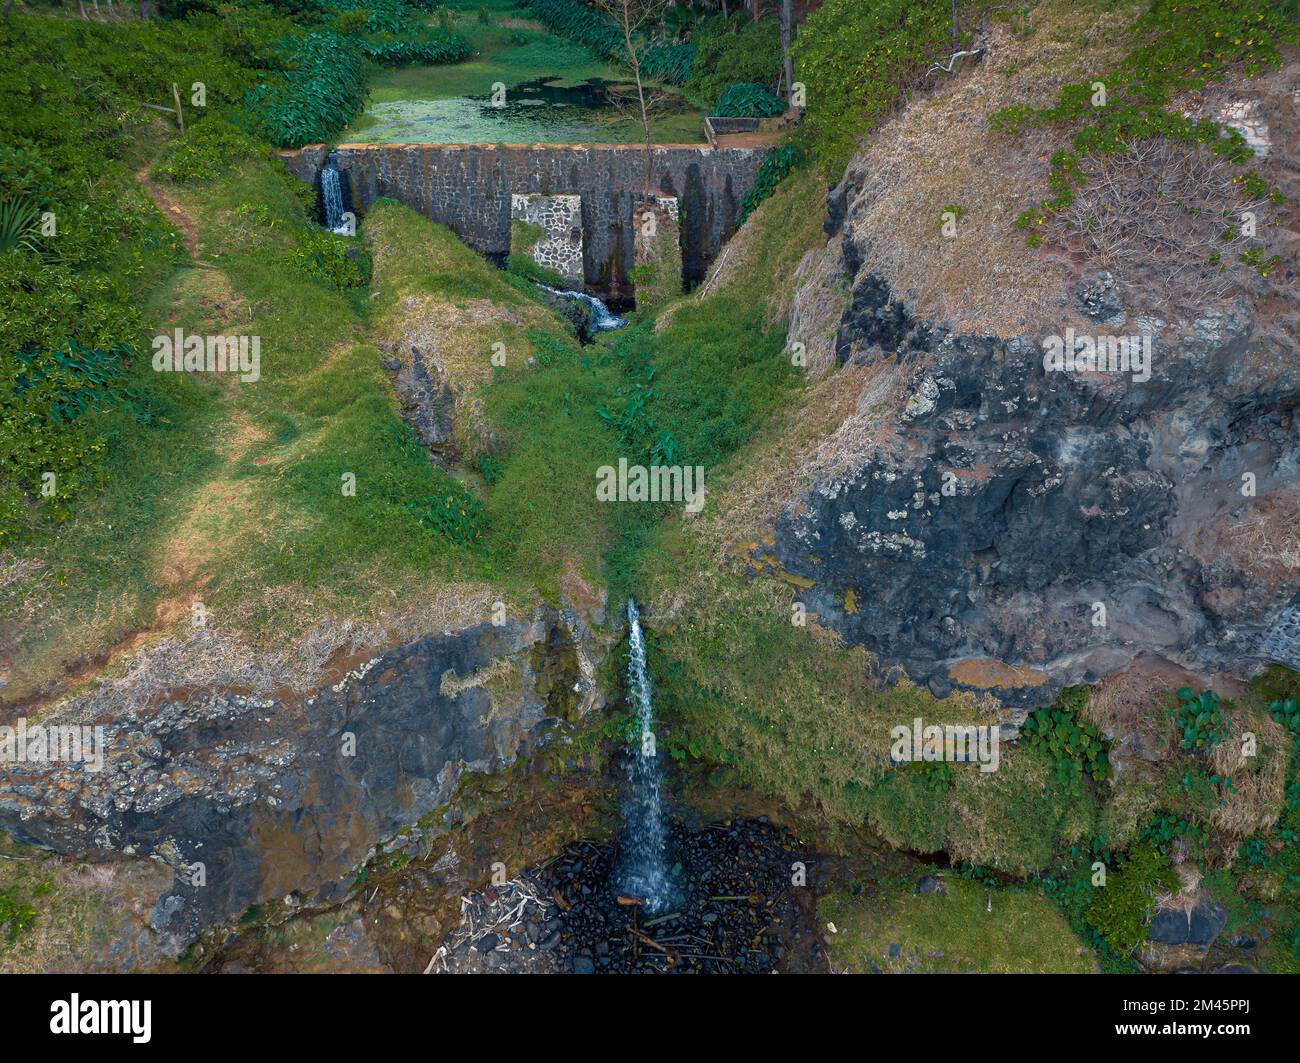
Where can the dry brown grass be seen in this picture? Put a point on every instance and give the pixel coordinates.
(1252, 804)
(1132, 701)
(940, 152)
(1268, 540)
(1155, 217)
(81, 906)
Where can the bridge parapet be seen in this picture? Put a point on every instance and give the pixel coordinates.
(468, 188)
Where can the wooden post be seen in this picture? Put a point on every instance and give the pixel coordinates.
(176, 95)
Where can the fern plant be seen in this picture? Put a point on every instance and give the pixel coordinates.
(19, 224)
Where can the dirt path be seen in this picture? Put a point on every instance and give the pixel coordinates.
(188, 230)
(207, 522)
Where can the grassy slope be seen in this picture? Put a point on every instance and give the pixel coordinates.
(950, 932)
(785, 709)
(239, 503)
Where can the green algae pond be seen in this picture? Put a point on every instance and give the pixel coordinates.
(556, 92)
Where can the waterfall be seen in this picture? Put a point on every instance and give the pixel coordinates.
(331, 191)
(602, 318)
(641, 870)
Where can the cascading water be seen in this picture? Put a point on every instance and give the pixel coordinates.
(642, 872)
(331, 192)
(602, 318)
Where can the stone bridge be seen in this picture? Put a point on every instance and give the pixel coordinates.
(469, 189)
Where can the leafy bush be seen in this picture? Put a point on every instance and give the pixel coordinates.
(669, 63)
(855, 86)
(746, 100)
(730, 50)
(338, 261)
(1199, 719)
(1074, 744)
(46, 449)
(19, 224)
(452, 512)
(208, 150)
(578, 22)
(16, 914)
(321, 90)
(1124, 904)
(424, 45)
(779, 163)
(1286, 711)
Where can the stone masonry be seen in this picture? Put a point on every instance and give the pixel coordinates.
(468, 188)
(560, 218)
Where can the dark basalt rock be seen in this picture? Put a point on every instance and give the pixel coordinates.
(426, 397)
(274, 797)
(1013, 499)
(1199, 927)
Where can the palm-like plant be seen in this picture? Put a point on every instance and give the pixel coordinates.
(19, 224)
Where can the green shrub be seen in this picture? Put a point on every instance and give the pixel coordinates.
(16, 914)
(338, 261)
(576, 21)
(1286, 711)
(320, 91)
(746, 100)
(731, 50)
(452, 512)
(1199, 719)
(19, 224)
(210, 147)
(853, 86)
(1124, 904)
(779, 164)
(1074, 744)
(424, 45)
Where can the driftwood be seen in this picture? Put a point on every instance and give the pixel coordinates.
(952, 60)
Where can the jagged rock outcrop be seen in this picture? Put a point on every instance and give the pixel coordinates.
(999, 519)
(250, 799)
(1027, 527)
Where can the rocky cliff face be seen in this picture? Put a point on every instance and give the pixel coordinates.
(255, 799)
(1016, 526)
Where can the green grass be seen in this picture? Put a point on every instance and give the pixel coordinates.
(852, 89)
(951, 932)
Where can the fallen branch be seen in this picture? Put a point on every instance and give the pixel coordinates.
(952, 60)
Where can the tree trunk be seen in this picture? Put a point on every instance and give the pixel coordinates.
(755, 9)
(787, 67)
(635, 60)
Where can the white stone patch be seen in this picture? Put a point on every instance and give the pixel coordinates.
(1244, 116)
(561, 219)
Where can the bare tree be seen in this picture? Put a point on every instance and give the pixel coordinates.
(631, 16)
(787, 67)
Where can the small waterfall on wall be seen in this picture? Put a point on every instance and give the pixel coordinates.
(602, 318)
(331, 191)
(641, 871)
